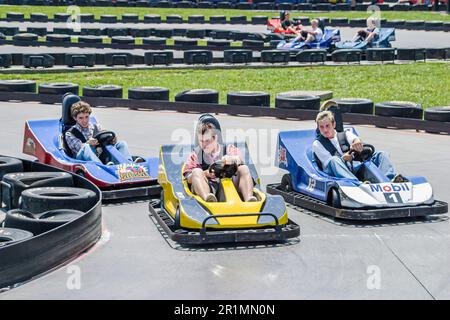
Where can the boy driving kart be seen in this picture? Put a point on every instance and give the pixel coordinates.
(80, 138)
(210, 149)
(328, 149)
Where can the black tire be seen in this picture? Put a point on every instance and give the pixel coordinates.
(185, 42)
(22, 219)
(9, 236)
(130, 18)
(219, 43)
(335, 199)
(18, 85)
(90, 39)
(58, 38)
(248, 98)
(38, 200)
(25, 37)
(123, 40)
(177, 220)
(291, 100)
(198, 95)
(54, 218)
(355, 105)
(441, 114)
(9, 165)
(58, 88)
(154, 41)
(148, 93)
(21, 181)
(401, 109)
(286, 183)
(195, 33)
(111, 91)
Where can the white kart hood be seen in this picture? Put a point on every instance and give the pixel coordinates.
(386, 195)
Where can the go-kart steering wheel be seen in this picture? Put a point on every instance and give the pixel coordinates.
(366, 153)
(105, 137)
(222, 170)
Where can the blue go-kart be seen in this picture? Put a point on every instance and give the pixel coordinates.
(307, 186)
(329, 38)
(382, 41)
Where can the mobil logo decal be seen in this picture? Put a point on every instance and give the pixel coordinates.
(389, 187)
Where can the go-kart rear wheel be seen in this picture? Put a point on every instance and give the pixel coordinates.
(334, 199)
(286, 183)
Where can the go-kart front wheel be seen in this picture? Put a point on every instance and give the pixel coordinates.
(286, 183)
(335, 199)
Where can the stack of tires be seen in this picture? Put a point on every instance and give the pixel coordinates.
(37, 202)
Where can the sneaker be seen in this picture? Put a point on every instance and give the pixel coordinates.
(139, 160)
(257, 196)
(398, 178)
(252, 199)
(366, 182)
(210, 197)
(110, 163)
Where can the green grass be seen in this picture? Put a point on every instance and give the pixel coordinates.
(391, 15)
(424, 83)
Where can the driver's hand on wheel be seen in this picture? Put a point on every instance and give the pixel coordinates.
(92, 142)
(347, 157)
(357, 145)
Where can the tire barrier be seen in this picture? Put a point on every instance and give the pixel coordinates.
(154, 41)
(398, 120)
(195, 33)
(355, 105)
(185, 42)
(19, 243)
(79, 60)
(91, 32)
(253, 44)
(248, 98)
(411, 54)
(380, 54)
(347, 55)
(275, 56)
(23, 37)
(294, 100)
(123, 40)
(403, 109)
(39, 200)
(37, 224)
(38, 17)
(312, 56)
(148, 93)
(18, 86)
(219, 43)
(158, 57)
(58, 38)
(38, 60)
(198, 95)
(107, 18)
(255, 20)
(40, 31)
(5, 60)
(20, 181)
(441, 114)
(110, 91)
(198, 57)
(238, 56)
(58, 88)
(8, 165)
(118, 58)
(90, 39)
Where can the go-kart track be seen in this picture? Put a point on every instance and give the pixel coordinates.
(332, 259)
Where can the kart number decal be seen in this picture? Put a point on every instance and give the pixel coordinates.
(131, 171)
(311, 184)
(393, 197)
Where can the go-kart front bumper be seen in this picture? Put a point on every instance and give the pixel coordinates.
(306, 202)
(208, 236)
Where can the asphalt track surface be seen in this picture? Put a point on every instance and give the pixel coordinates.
(330, 260)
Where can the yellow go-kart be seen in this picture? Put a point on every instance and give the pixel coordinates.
(188, 219)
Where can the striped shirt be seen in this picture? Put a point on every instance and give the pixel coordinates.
(74, 143)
